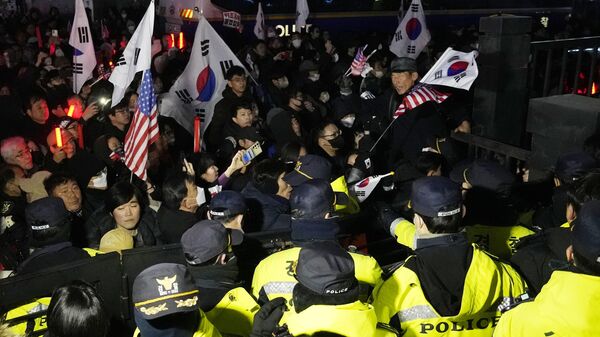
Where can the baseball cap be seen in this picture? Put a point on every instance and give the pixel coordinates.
(227, 203)
(309, 167)
(436, 197)
(116, 240)
(325, 268)
(572, 166)
(46, 213)
(485, 174)
(207, 239)
(312, 198)
(586, 232)
(164, 289)
(401, 64)
(249, 133)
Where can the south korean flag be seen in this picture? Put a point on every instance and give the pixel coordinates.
(412, 35)
(84, 57)
(201, 84)
(453, 69)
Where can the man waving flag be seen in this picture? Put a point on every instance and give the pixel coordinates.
(84, 57)
(144, 128)
(136, 56)
(412, 35)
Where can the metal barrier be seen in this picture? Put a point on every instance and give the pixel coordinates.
(575, 59)
(484, 148)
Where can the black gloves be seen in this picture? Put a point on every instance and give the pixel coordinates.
(266, 320)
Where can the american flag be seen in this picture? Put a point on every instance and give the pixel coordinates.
(420, 94)
(358, 64)
(143, 130)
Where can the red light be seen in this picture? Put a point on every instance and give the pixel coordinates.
(594, 88)
(171, 41)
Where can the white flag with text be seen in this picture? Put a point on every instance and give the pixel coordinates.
(201, 84)
(412, 35)
(136, 57)
(84, 56)
(453, 69)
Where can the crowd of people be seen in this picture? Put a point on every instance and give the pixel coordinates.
(285, 157)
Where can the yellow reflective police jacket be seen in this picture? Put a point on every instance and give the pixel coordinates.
(566, 306)
(275, 274)
(355, 319)
(234, 314)
(21, 325)
(488, 284)
(499, 241)
(340, 185)
(205, 328)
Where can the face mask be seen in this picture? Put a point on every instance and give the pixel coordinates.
(348, 121)
(48, 61)
(337, 143)
(200, 197)
(314, 77)
(324, 97)
(131, 29)
(335, 58)
(296, 43)
(379, 74)
(124, 15)
(284, 83)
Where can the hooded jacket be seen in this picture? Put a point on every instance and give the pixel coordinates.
(404, 298)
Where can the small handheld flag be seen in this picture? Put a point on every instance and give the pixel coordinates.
(365, 187)
(453, 69)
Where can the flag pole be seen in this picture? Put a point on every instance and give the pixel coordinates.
(382, 134)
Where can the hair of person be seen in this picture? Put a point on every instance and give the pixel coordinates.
(290, 151)
(6, 175)
(292, 92)
(585, 265)
(32, 99)
(175, 189)
(201, 162)
(122, 105)
(489, 207)
(265, 175)
(76, 310)
(56, 180)
(242, 104)
(319, 131)
(119, 194)
(444, 224)
(8, 146)
(255, 43)
(584, 190)
(304, 297)
(429, 161)
(235, 71)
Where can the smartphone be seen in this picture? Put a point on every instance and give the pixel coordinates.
(251, 153)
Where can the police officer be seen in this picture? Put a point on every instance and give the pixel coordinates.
(448, 287)
(207, 247)
(312, 207)
(166, 303)
(327, 296)
(568, 303)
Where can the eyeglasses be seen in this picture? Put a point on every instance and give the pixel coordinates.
(333, 135)
(22, 153)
